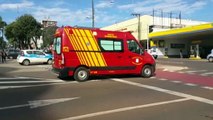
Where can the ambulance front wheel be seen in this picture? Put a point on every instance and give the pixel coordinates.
(81, 74)
(146, 71)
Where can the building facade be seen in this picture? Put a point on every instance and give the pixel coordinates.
(169, 36)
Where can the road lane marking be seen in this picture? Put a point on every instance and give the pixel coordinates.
(12, 82)
(191, 84)
(196, 98)
(206, 74)
(176, 81)
(163, 79)
(152, 77)
(209, 88)
(39, 103)
(194, 71)
(42, 85)
(34, 78)
(124, 109)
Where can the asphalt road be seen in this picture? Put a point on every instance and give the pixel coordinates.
(181, 90)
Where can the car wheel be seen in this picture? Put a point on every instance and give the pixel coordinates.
(146, 71)
(26, 62)
(210, 59)
(81, 74)
(49, 61)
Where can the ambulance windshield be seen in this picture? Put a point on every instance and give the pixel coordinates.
(133, 46)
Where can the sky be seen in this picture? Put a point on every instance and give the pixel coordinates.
(107, 12)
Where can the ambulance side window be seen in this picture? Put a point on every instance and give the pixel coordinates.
(111, 45)
(133, 46)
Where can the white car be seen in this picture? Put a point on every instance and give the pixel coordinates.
(210, 57)
(27, 57)
(153, 52)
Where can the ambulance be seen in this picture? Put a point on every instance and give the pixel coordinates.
(85, 52)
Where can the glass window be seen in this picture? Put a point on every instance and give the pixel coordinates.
(58, 45)
(133, 46)
(38, 53)
(111, 45)
(29, 52)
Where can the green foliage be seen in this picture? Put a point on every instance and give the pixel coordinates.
(48, 35)
(2, 25)
(24, 29)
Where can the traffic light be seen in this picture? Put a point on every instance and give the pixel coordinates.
(151, 28)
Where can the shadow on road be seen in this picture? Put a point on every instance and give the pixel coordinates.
(5, 71)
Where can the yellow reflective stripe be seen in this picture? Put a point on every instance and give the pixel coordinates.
(84, 42)
(83, 48)
(73, 44)
(94, 45)
(80, 55)
(80, 48)
(99, 55)
(84, 39)
(90, 47)
(100, 59)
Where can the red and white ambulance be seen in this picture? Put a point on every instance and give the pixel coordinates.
(81, 52)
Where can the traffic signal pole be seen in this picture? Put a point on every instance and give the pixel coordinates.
(147, 42)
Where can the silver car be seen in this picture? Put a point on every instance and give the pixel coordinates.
(210, 57)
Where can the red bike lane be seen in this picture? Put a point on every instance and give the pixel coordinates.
(186, 78)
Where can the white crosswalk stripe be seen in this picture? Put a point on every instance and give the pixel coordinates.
(21, 82)
(192, 72)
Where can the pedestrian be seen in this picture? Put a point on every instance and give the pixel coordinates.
(181, 53)
(1, 56)
(4, 55)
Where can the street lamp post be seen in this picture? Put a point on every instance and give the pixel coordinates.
(139, 24)
(93, 14)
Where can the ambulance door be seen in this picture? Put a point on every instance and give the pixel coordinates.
(113, 51)
(134, 54)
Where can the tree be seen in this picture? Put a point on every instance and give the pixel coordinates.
(2, 26)
(12, 35)
(24, 30)
(48, 35)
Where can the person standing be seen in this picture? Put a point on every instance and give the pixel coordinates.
(181, 53)
(4, 55)
(1, 56)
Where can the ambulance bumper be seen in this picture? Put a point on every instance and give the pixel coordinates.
(63, 73)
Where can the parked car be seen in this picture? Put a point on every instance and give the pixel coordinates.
(210, 56)
(153, 52)
(27, 57)
(12, 53)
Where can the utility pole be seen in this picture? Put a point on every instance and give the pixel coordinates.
(93, 14)
(139, 24)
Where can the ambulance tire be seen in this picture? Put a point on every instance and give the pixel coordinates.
(81, 74)
(147, 71)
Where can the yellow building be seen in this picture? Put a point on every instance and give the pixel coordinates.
(170, 36)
